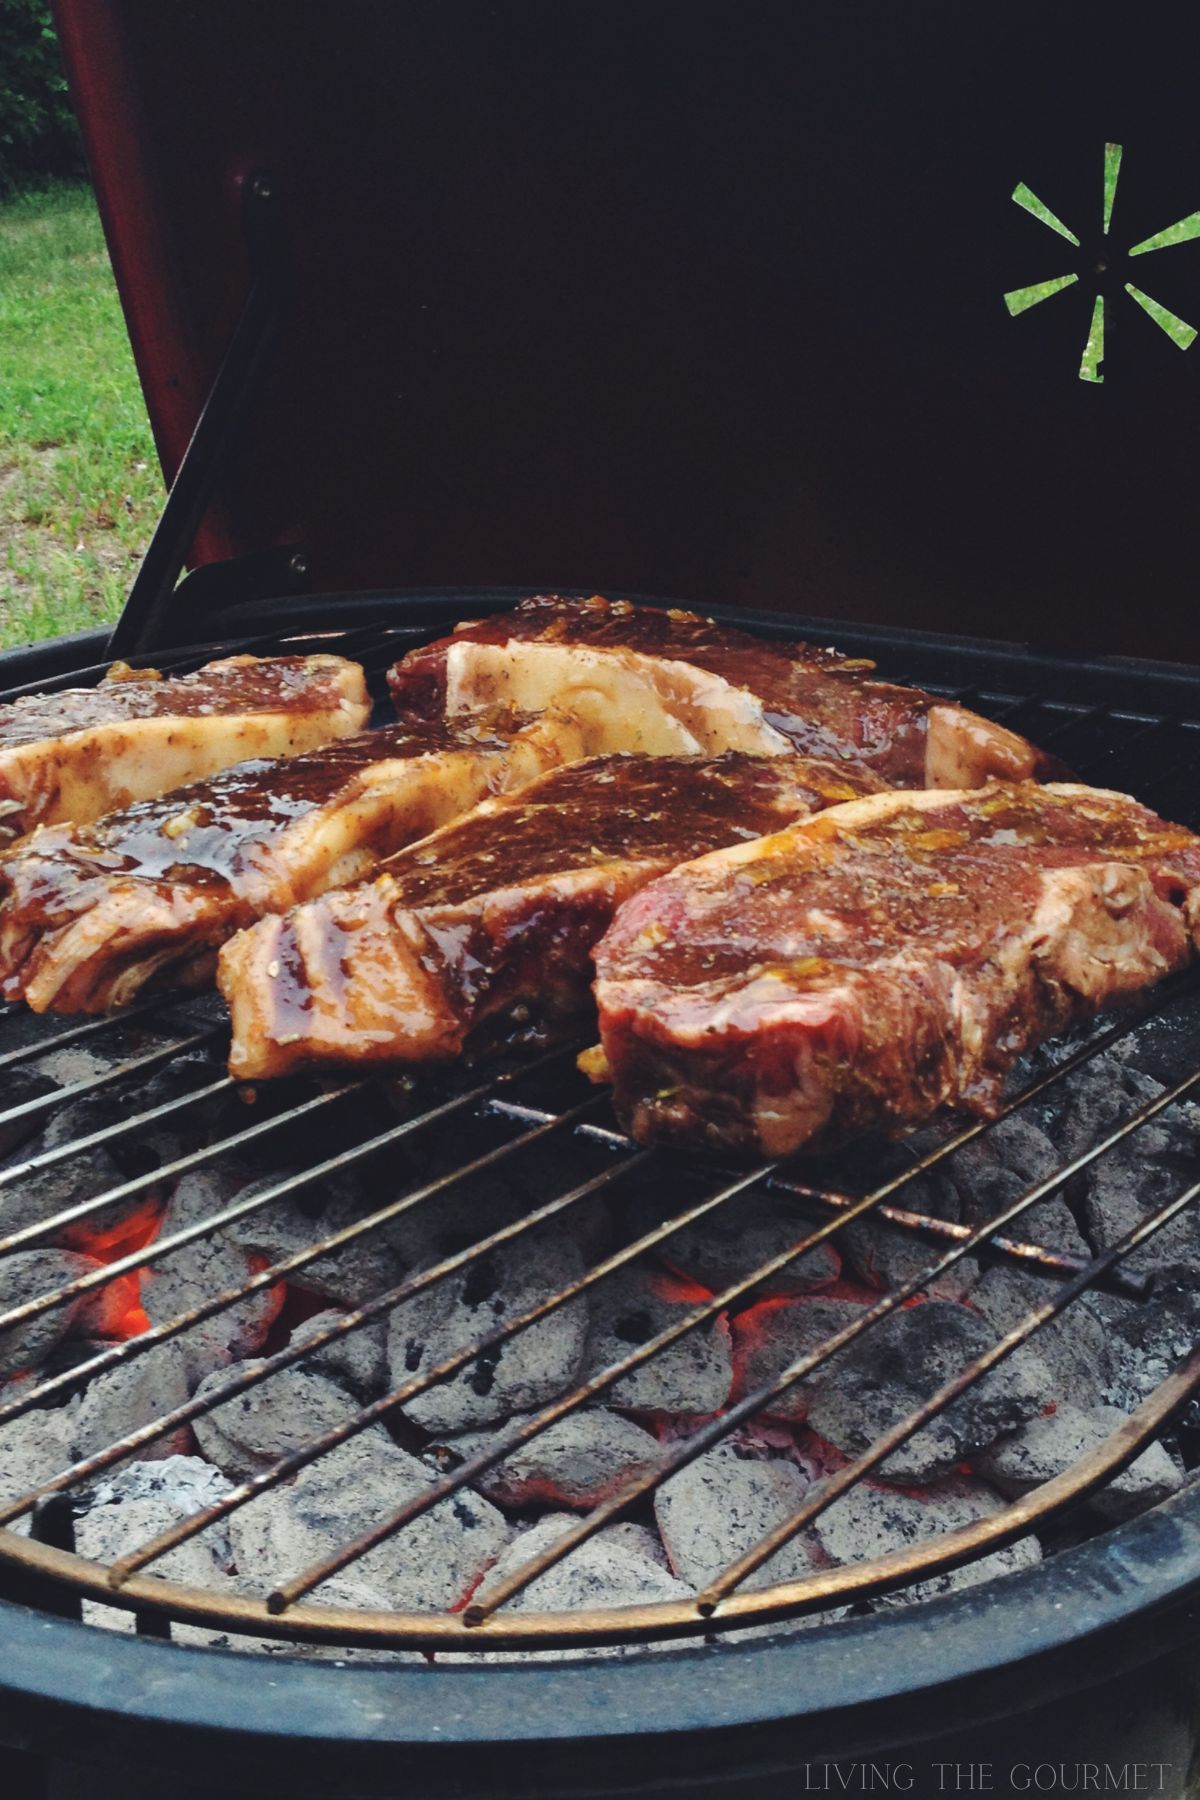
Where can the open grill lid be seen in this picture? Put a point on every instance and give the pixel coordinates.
(689, 300)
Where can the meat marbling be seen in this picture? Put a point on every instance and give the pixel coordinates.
(681, 683)
(897, 954)
(484, 929)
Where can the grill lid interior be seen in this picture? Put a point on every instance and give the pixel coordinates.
(701, 301)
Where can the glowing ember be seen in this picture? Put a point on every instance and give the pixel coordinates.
(293, 1305)
(133, 1232)
(824, 1456)
(770, 1336)
(678, 1290)
(117, 1311)
(273, 1299)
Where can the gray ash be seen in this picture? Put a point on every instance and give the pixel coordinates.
(1029, 1420)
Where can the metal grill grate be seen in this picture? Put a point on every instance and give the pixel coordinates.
(529, 1108)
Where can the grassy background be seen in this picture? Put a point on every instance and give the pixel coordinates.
(80, 485)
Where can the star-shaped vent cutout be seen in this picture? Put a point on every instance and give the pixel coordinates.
(1019, 300)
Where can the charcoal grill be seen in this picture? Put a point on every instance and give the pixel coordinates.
(1127, 727)
(349, 392)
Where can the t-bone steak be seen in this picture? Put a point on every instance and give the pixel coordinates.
(483, 931)
(680, 682)
(93, 914)
(893, 955)
(82, 752)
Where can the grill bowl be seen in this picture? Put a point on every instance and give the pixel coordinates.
(1112, 1604)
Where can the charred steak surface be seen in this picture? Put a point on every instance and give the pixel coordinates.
(486, 927)
(679, 682)
(93, 913)
(863, 968)
(81, 753)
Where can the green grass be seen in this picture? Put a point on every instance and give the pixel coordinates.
(80, 485)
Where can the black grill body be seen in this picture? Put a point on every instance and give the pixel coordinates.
(1093, 1657)
(1092, 1660)
(709, 300)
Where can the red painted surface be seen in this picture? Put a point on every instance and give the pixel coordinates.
(698, 301)
(94, 35)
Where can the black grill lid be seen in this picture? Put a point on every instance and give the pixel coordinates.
(700, 299)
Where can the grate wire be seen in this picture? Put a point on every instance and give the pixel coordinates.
(1172, 744)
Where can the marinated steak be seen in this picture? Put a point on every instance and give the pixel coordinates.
(93, 913)
(86, 751)
(681, 683)
(485, 929)
(894, 955)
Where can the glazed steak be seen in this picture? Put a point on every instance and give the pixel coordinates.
(485, 928)
(92, 914)
(679, 682)
(894, 955)
(83, 752)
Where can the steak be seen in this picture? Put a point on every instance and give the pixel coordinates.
(83, 752)
(897, 954)
(92, 914)
(484, 930)
(678, 682)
